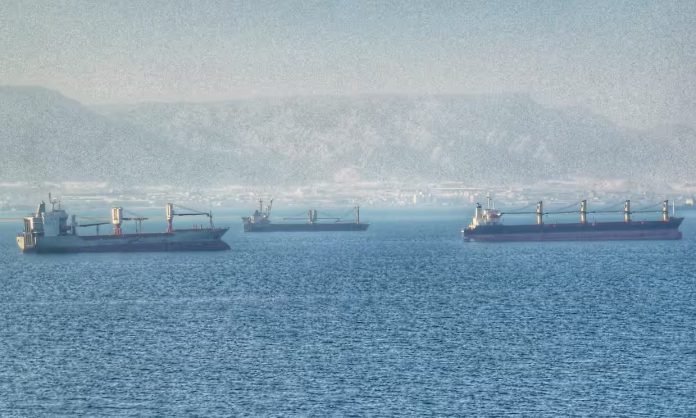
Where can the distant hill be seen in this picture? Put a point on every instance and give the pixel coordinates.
(483, 140)
(47, 137)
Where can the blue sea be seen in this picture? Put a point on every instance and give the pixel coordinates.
(404, 319)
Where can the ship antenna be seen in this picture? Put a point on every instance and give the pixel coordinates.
(53, 202)
(488, 199)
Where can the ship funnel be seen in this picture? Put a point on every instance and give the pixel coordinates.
(627, 211)
(116, 219)
(583, 211)
(540, 213)
(665, 211)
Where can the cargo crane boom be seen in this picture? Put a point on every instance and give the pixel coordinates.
(171, 213)
(95, 224)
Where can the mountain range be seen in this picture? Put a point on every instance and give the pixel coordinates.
(505, 139)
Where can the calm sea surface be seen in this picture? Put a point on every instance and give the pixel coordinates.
(404, 319)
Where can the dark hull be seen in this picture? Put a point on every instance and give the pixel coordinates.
(153, 247)
(180, 240)
(605, 231)
(270, 227)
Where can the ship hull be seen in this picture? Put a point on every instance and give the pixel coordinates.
(179, 240)
(317, 227)
(607, 231)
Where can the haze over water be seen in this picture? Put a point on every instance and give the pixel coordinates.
(404, 319)
(327, 104)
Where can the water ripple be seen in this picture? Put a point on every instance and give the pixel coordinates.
(402, 320)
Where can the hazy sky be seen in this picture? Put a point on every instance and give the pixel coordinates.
(634, 62)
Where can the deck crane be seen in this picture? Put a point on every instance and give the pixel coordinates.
(117, 218)
(138, 220)
(171, 213)
(312, 216)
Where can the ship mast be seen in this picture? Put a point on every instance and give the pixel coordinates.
(53, 202)
(116, 219)
(627, 211)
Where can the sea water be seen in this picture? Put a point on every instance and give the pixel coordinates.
(403, 319)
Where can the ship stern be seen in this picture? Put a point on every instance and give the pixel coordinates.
(25, 242)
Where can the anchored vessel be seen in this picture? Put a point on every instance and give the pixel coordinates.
(49, 232)
(260, 222)
(486, 225)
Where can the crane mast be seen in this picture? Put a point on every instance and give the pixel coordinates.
(171, 212)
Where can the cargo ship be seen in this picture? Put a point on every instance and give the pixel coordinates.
(487, 225)
(260, 221)
(48, 231)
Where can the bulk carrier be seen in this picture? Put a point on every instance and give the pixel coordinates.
(487, 225)
(260, 221)
(48, 231)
